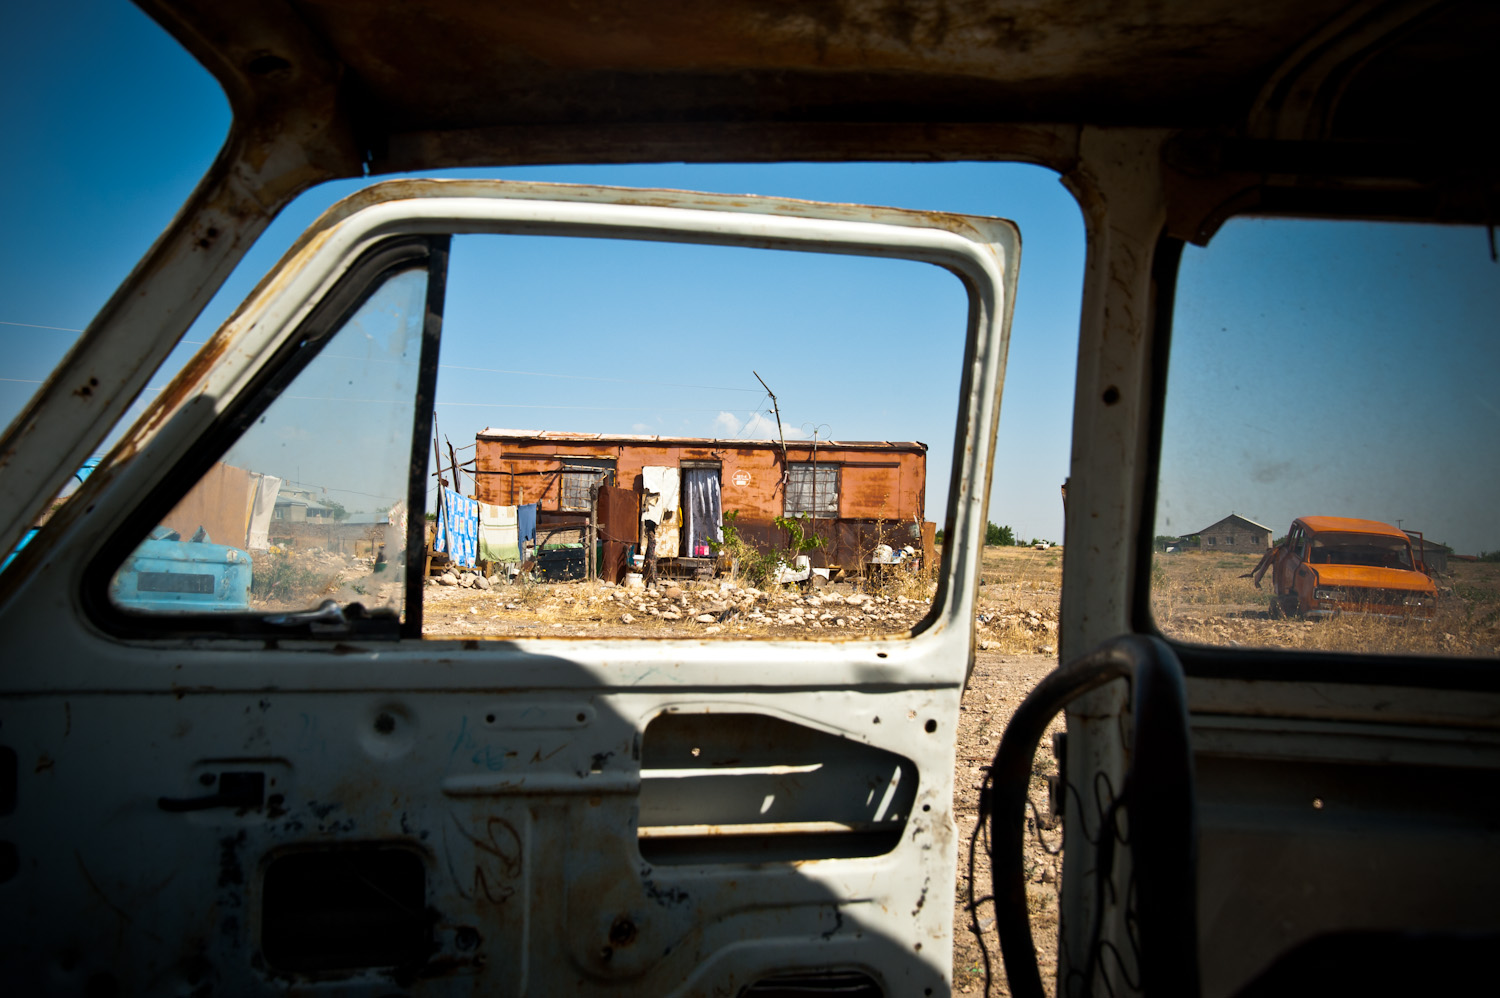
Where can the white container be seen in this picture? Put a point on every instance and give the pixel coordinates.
(635, 580)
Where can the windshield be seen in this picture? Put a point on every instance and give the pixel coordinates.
(1361, 549)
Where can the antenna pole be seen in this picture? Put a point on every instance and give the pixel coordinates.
(777, 409)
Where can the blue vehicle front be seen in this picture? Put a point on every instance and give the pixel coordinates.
(168, 574)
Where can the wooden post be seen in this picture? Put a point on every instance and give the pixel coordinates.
(437, 456)
(593, 531)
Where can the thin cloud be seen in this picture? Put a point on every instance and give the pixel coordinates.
(758, 427)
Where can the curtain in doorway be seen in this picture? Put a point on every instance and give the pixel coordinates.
(705, 513)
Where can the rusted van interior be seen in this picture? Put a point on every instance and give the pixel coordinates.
(328, 801)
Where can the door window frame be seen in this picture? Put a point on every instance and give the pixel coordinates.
(297, 351)
(252, 352)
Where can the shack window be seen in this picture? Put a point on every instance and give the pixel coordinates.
(812, 489)
(579, 476)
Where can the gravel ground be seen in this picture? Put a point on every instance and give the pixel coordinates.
(689, 609)
(998, 685)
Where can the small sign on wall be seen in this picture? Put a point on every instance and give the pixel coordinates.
(742, 478)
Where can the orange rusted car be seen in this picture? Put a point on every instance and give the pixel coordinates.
(1332, 564)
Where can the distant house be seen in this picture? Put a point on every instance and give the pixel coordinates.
(297, 504)
(1236, 534)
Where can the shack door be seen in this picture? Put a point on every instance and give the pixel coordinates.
(308, 797)
(619, 529)
(704, 509)
(661, 503)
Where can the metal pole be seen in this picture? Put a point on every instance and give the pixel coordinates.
(593, 533)
(777, 409)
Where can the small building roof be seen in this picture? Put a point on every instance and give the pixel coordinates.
(1232, 520)
(1429, 545)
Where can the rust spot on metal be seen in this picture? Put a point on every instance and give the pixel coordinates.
(622, 932)
(87, 389)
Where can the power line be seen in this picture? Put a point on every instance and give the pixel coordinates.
(32, 325)
(505, 405)
(447, 367)
(335, 488)
(585, 377)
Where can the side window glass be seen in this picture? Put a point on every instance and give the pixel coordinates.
(310, 502)
(812, 489)
(1378, 446)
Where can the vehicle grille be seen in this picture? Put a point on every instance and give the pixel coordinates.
(174, 582)
(1388, 597)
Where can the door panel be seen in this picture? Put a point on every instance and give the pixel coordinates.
(243, 803)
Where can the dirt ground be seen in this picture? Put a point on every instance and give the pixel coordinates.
(689, 609)
(998, 685)
(1017, 616)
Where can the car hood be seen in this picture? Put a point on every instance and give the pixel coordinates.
(1365, 577)
(190, 551)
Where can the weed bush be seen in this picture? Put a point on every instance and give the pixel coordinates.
(277, 576)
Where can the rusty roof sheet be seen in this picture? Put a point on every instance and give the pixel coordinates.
(564, 436)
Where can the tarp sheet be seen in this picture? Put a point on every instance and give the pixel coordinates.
(458, 529)
(263, 508)
(498, 539)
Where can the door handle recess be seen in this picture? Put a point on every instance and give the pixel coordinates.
(236, 790)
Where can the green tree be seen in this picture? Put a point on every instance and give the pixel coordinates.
(999, 536)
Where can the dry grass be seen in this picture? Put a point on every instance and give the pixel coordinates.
(1019, 595)
(899, 581)
(1199, 598)
(1022, 568)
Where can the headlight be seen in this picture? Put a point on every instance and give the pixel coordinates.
(1419, 601)
(1328, 594)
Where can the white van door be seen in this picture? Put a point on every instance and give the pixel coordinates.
(312, 793)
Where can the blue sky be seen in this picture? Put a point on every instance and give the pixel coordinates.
(110, 124)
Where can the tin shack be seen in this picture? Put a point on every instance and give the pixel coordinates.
(855, 494)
